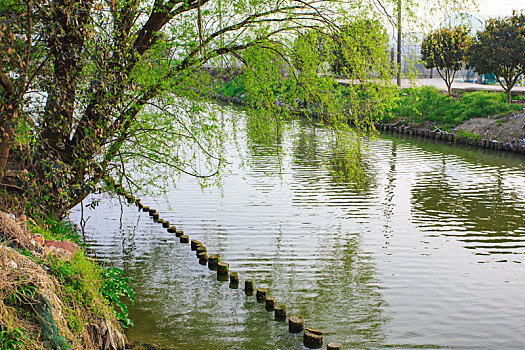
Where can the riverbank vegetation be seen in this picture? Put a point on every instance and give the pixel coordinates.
(56, 298)
(429, 105)
(496, 49)
(417, 106)
(445, 50)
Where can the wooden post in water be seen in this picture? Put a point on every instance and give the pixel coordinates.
(295, 324)
(172, 229)
(261, 294)
(312, 338)
(234, 280)
(248, 287)
(166, 224)
(334, 346)
(280, 312)
(222, 268)
(179, 233)
(270, 303)
(203, 258)
(194, 244)
(185, 239)
(213, 261)
(201, 249)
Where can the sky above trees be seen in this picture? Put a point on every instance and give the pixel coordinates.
(500, 7)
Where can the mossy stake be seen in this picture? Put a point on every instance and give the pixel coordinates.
(203, 258)
(223, 269)
(213, 260)
(295, 324)
(334, 346)
(200, 249)
(280, 312)
(261, 294)
(194, 244)
(234, 278)
(312, 338)
(270, 303)
(248, 287)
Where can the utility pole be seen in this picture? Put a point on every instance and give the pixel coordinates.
(398, 42)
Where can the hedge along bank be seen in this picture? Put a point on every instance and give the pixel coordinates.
(52, 295)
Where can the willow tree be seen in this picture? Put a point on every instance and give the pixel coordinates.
(92, 88)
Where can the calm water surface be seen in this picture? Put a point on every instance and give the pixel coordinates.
(428, 254)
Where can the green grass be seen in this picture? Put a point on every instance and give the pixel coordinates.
(233, 88)
(56, 230)
(87, 288)
(424, 104)
(12, 338)
(101, 289)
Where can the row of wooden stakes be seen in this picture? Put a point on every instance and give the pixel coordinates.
(312, 338)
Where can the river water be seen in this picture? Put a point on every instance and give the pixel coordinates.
(427, 253)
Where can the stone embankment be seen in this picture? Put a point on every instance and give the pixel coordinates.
(464, 134)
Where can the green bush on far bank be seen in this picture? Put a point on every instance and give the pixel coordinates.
(233, 88)
(426, 103)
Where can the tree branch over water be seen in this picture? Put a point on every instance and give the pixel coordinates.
(96, 68)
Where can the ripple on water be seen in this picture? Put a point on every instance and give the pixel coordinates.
(426, 255)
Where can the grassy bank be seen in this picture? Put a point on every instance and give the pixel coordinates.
(427, 104)
(56, 301)
(419, 106)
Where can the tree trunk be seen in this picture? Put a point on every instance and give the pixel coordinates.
(448, 81)
(66, 49)
(5, 145)
(509, 95)
(6, 134)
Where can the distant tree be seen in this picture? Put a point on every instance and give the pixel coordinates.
(445, 50)
(500, 49)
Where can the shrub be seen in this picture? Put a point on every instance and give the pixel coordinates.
(233, 88)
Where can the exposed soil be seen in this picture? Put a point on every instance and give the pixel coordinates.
(506, 128)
